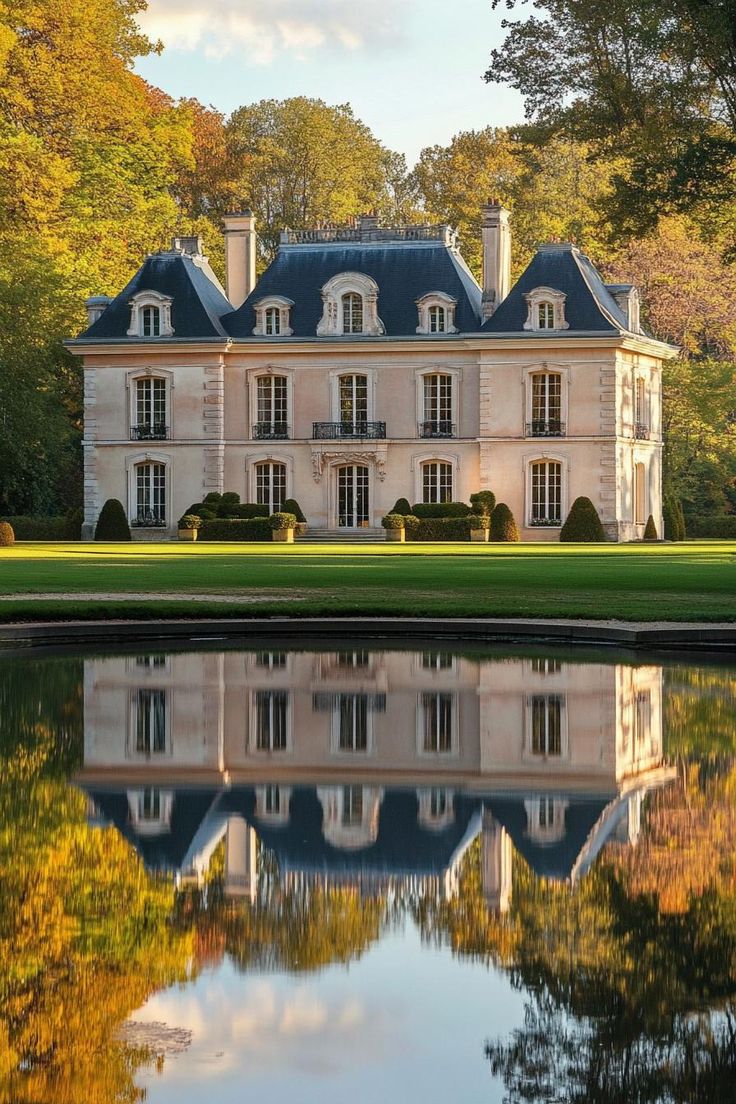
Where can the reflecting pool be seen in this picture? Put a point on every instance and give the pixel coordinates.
(351, 874)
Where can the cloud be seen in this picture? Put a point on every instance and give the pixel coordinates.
(262, 32)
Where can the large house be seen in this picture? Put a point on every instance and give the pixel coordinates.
(367, 364)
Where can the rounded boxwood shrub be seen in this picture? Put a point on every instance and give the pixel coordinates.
(190, 521)
(393, 521)
(214, 498)
(231, 498)
(582, 523)
(483, 503)
(112, 524)
(7, 536)
(282, 520)
(291, 506)
(401, 506)
(650, 529)
(440, 509)
(412, 524)
(503, 524)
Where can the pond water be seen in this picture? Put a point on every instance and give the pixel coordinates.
(351, 874)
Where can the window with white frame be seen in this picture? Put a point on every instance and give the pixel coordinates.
(545, 309)
(545, 724)
(546, 819)
(546, 405)
(150, 315)
(546, 492)
(436, 808)
(437, 661)
(150, 494)
(150, 721)
(546, 315)
(437, 481)
(640, 494)
(437, 715)
(352, 805)
(271, 661)
(542, 666)
(273, 316)
(150, 410)
(353, 400)
(437, 418)
(352, 720)
(272, 800)
(437, 319)
(436, 313)
(272, 410)
(271, 716)
(350, 306)
(641, 409)
(642, 718)
(150, 321)
(271, 485)
(352, 313)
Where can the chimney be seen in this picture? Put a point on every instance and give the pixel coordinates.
(496, 237)
(95, 306)
(191, 245)
(240, 255)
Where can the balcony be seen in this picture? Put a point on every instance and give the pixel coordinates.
(149, 431)
(270, 431)
(348, 431)
(438, 428)
(641, 431)
(551, 428)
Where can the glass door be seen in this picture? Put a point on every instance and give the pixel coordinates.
(352, 496)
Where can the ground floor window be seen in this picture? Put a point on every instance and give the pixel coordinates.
(150, 722)
(271, 485)
(436, 722)
(437, 481)
(640, 494)
(271, 719)
(546, 493)
(546, 724)
(150, 494)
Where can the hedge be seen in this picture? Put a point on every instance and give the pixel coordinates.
(236, 529)
(41, 528)
(720, 526)
(439, 529)
(440, 510)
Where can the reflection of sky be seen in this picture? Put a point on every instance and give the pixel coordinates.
(405, 1022)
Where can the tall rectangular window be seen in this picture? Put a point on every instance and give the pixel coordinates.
(352, 722)
(641, 414)
(272, 412)
(546, 404)
(352, 313)
(437, 420)
(437, 481)
(150, 409)
(150, 489)
(353, 400)
(150, 722)
(271, 485)
(437, 722)
(546, 480)
(271, 719)
(642, 717)
(546, 724)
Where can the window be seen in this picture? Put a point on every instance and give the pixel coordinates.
(640, 494)
(546, 488)
(352, 313)
(542, 666)
(272, 661)
(437, 661)
(546, 316)
(271, 716)
(546, 819)
(546, 309)
(272, 408)
(272, 317)
(437, 323)
(437, 408)
(150, 722)
(150, 322)
(354, 661)
(352, 722)
(150, 661)
(439, 803)
(436, 313)
(437, 481)
(352, 805)
(353, 399)
(272, 800)
(150, 495)
(271, 485)
(149, 804)
(641, 410)
(546, 724)
(546, 405)
(642, 718)
(150, 410)
(437, 712)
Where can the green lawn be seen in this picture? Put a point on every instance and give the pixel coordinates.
(694, 581)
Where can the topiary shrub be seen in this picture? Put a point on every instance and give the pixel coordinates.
(670, 520)
(236, 529)
(479, 521)
(412, 525)
(112, 524)
(650, 530)
(440, 509)
(483, 503)
(583, 524)
(190, 521)
(282, 520)
(213, 499)
(503, 524)
(402, 507)
(291, 506)
(393, 521)
(7, 536)
(73, 521)
(681, 528)
(230, 498)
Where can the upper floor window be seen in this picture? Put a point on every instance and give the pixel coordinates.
(546, 309)
(150, 315)
(641, 409)
(437, 722)
(436, 481)
(150, 717)
(350, 306)
(150, 410)
(436, 313)
(545, 723)
(273, 316)
(546, 493)
(437, 409)
(546, 405)
(353, 398)
(352, 719)
(272, 408)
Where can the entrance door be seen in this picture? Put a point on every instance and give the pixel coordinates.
(352, 496)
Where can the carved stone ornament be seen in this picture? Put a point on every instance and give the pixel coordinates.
(319, 459)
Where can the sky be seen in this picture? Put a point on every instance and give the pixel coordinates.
(412, 69)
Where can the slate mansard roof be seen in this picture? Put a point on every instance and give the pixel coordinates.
(404, 271)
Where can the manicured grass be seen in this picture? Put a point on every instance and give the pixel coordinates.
(683, 582)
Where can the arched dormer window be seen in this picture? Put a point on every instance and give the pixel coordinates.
(273, 316)
(436, 313)
(350, 306)
(150, 315)
(546, 310)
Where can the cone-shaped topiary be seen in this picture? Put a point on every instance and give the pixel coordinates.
(650, 529)
(503, 525)
(670, 520)
(112, 524)
(291, 506)
(401, 507)
(583, 523)
(483, 502)
(7, 536)
(681, 529)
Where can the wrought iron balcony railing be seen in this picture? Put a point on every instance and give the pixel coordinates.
(439, 428)
(270, 431)
(542, 523)
(641, 431)
(550, 428)
(149, 431)
(341, 431)
(149, 519)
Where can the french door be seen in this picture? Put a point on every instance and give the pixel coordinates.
(352, 496)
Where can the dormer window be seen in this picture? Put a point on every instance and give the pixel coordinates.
(546, 310)
(350, 306)
(150, 315)
(273, 316)
(436, 313)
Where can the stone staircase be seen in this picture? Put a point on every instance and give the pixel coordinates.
(342, 536)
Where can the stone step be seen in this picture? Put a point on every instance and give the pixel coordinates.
(344, 536)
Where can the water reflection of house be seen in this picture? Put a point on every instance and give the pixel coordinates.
(369, 767)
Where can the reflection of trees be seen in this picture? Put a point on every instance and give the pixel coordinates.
(40, 716)
(699, 710)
